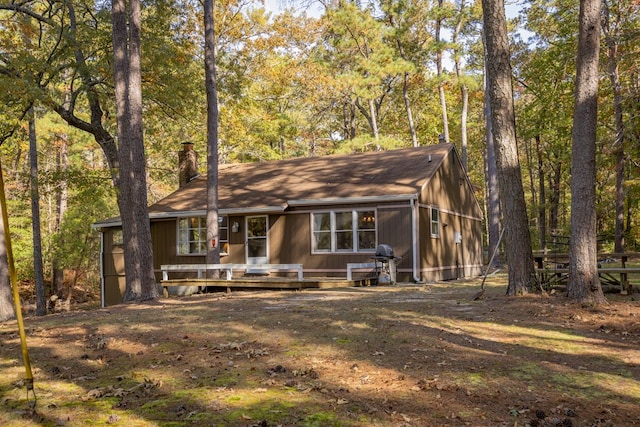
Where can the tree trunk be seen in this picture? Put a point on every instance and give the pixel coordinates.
(38, 269)
(443, 100)
(213, 234)
(493, 217)
(139, 172)
(405, 97)
(542, 199)
(464, 93)
(62, 164)
(528, 150)
(464, 90)
(345, 120)
(349, 117)
(15, 171)
(120, 77)
(611, 35)
(516, 224)
(7, 310)
(140, 278)
(584, 283)
(374, 122)
(554, 200)
(619, 244)
(407, 106)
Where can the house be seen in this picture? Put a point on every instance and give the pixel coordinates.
(321, 212)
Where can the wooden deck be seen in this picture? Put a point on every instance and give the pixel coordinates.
(265, 283)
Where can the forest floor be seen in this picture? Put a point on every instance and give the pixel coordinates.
(405, 355)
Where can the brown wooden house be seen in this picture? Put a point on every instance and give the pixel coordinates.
(323, 213)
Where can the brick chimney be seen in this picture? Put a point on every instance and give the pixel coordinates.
(187, 164)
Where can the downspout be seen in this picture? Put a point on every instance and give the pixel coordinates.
(415, 240)
(102, 269)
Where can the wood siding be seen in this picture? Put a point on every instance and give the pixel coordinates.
(395, 230)
(112, 269)
(450, 192)
(290, 241)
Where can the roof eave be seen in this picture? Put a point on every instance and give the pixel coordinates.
(117, 222)
(352, 200)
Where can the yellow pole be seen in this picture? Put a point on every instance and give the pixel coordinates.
(14, 287)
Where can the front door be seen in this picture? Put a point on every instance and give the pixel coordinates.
(257, 241)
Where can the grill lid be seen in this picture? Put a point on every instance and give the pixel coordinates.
(384, 251)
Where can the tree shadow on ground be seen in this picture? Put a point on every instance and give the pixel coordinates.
(416, 355)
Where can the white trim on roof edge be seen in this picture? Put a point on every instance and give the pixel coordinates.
(117, 222)
(200, 212)
(351, 200)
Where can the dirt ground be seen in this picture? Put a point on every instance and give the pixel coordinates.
(405, 355)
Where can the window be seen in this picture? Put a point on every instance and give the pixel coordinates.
(116, 238)
(435, 222)
(322, 232)
(344, 231)
(192, 235)
(366, 230)
(223, 233)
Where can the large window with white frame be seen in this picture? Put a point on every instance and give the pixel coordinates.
(435, 222)
(344, 231)
(192, 235)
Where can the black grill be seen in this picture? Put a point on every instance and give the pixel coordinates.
(387, 259)
(384, 252)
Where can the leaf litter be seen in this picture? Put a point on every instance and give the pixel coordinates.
(408, 355)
